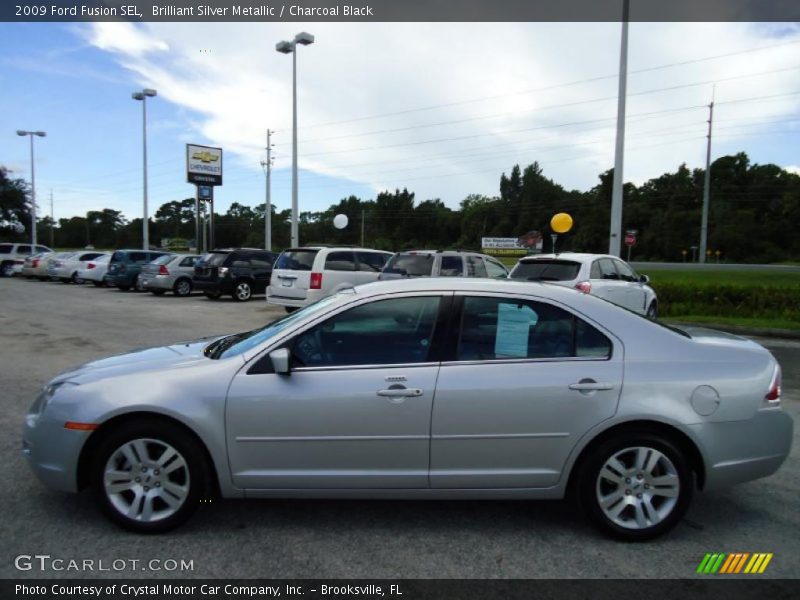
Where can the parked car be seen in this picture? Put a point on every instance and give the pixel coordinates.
(421, 388)
(31, 263)
(41, 269)
(125, 265)
(240, 273)
(443, 263)
(94, 271)
(601, 275)
(66, 268)
(171, 272)
(12, 257)
(304, 275)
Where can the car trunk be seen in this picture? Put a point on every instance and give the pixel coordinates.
(207, 268)
(291, 274)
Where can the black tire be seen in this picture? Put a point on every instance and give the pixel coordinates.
(157, 432)
(40, 278)
(98, 284)
(589, 487)
(291, 309)
(65, 280)
(213, 295)
(7, 270)
(652, 311)
(182, 287)
(76, 280)
(242, 291)
(124, 288)
(158, 292)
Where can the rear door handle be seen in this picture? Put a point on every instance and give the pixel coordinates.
(590, 386)
(400, 392)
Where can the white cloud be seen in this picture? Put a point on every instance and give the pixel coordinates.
(435, 136)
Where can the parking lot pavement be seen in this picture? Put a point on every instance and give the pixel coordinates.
(48, 327)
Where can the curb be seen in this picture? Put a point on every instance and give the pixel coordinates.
(788, 334)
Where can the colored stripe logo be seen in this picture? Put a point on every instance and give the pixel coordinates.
(734, 562)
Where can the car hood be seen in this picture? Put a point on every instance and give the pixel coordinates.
(143, 359)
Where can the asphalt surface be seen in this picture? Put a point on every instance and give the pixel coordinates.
(49, 327)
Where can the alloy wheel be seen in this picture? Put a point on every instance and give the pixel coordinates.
(637, 487)
(243, 291)
(183, 288)
(146, 480)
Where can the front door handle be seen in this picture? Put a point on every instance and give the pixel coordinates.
(589, 385)
(400, 392)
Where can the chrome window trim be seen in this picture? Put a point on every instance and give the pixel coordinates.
(451, 363)
(371, 366)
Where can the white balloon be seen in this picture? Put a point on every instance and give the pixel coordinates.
(340, 221)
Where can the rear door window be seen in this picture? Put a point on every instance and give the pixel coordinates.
(475, 266)
(23, 249)
(452, 266)
(625, 272)
(546, 270)
(42, 249)
(411, 264)
(371, 261)
(607, 270)
(296, 260)
(340, 261)
(495, 270)
(188, 261)
(138, 257)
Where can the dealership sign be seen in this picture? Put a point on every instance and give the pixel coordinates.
(498, 246)
(203, 165)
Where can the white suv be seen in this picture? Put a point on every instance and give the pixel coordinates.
(12, 257)
(301, 276)
(601, 275)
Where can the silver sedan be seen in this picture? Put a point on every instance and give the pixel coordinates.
(424, 388)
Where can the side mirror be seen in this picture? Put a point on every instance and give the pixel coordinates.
(644, 279)
(281, 361)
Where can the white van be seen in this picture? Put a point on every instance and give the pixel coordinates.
(301, 276)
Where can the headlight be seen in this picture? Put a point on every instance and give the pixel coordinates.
(45, 395)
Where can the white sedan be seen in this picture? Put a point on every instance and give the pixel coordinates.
(94, 270)
(601, 275)
(67, 269)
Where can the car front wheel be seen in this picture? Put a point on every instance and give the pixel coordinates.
(652, 311)
(243, 291)
(636, 487)
(149, 476)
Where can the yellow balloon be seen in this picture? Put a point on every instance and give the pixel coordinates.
(561, 223)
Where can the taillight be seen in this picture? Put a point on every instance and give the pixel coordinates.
(162, 270)
(91, 266)
(122, 268)
(773, 397)
(584, 286)
(35, 263)
(316, 281)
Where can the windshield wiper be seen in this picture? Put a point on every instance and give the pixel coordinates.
(215, 349)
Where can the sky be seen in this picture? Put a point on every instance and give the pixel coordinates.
(441, 109)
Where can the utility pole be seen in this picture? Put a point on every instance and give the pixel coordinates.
(619, 150)
(267, 166)
(363, 216)
(52, 221)
(706, 186)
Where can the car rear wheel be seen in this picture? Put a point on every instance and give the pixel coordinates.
(98, 283)
(76, 279)
(7, 270)
(242, 291)
(652, 311)
(636, 487)
(158, 292)
(124, 288)
(213, 295)
(182, 287)
(149, 476)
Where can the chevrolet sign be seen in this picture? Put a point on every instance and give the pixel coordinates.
(203, 165)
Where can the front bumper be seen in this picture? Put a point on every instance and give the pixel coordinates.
(739, 451)
(52, 452)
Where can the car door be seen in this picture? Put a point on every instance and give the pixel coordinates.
(261, 265)
(605, 281)
(523, 381)
(354, 412)
(340, 268)
(634, 290)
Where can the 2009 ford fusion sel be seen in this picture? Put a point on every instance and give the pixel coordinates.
(425, 388)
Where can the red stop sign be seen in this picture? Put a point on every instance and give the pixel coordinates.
(630, 239)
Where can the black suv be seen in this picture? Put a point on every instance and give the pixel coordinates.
(241, 273)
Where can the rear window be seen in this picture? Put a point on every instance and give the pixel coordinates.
(163, 260)
(413, 265)
(546, 270)
(215, 259)
(118, 257)
(6, 248)
(296, 260)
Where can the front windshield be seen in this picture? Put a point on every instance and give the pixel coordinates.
(241, 342)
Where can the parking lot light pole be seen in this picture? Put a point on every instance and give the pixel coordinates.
(284, 47)
(31, 134)
(143, 96)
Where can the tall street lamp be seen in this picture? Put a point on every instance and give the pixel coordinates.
(304, 39)
(143, 96)
(30, 134)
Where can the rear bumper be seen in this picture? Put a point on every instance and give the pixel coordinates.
(739, 451)
(157, 282)
(274, 297)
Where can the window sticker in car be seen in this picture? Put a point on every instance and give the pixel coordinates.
(514, 322)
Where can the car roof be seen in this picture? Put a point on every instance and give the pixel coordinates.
(471, 284)
(573, 256)
(337, 249)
